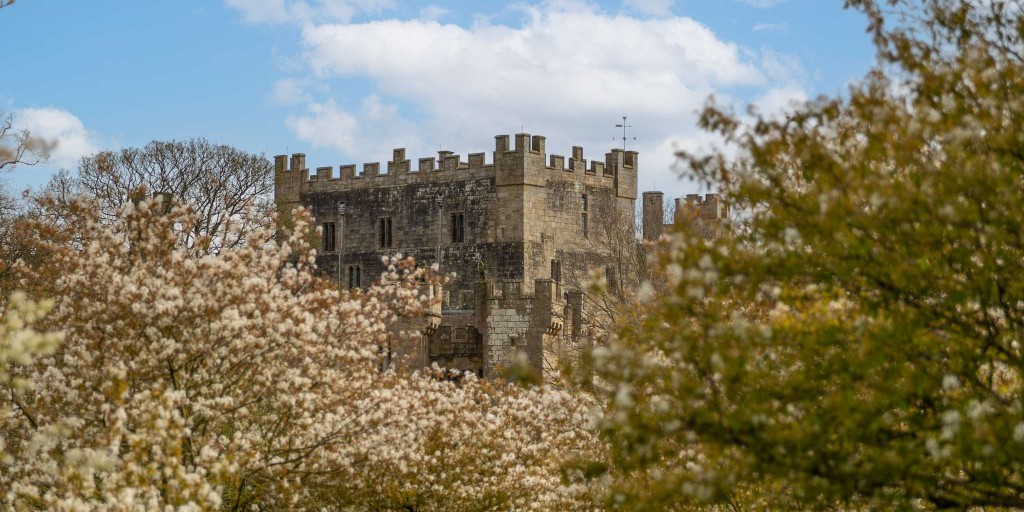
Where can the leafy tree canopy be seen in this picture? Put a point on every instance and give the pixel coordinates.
(855, 339)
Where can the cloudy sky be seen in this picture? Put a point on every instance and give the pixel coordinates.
(344, 81)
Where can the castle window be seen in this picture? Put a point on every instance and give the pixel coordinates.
(458, 228)
(556, 271)
(384, 230)
(328, 236)
(584, 228)
(354, 276)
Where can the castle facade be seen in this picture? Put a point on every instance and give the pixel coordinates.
(510, 227)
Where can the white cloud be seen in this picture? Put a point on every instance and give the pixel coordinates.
(325, 125)
(271, 11)
(651, 7)
(303, 11)
(567, 66)
(373, 130)
(778, 100)
(290, 91)
(433, 13)
(780, 67)
(763, 4)
(568, 72)
(73, 139)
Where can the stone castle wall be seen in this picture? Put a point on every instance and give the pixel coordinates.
(520, 211)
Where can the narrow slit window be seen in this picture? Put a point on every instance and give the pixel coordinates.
(584, 228)
(458, 228)
(328, 236)
(384, 230)
(556, 271)
(354, 276)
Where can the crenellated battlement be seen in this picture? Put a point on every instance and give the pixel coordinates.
(506, 292)
(503, 221)
(705, 214)
(517, 321)
(709, 207)
(528, 155)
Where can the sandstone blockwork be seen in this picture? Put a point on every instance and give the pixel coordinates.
(510, 228)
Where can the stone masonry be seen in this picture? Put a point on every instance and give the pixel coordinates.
(703, 214)
(510, 230)
(508, 227)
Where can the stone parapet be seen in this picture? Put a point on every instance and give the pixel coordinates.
(618, 170)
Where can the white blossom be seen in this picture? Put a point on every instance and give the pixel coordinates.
(186, 379)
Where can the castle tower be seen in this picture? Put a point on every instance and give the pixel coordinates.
(706, 215)
(510, 231)
(653, 215)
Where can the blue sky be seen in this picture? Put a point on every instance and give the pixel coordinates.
(347, 80)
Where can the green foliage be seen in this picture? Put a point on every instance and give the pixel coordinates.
(854, 340)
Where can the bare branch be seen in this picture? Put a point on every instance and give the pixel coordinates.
(18, 146)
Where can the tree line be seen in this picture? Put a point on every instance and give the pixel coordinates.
(850, 340)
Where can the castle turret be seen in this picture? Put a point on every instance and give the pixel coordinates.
(522, 165)
(653, 215)
(706, 215)
(623, 165)
(288, 181)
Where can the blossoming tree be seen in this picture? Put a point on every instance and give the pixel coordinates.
(856, 341)
(242, 379)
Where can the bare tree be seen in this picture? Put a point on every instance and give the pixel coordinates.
(615, 272)
(600, 283)
(218, 182)
(18, 146)
(619, 273)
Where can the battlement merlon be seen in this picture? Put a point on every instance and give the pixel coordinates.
(623, 166)
(527, 159)
(398, 164)
(524, 144)
(504, 293)
(288, 181)
(711, 206)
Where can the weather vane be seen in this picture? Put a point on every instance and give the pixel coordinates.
(624, 138)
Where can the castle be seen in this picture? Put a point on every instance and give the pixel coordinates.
(513, 229)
